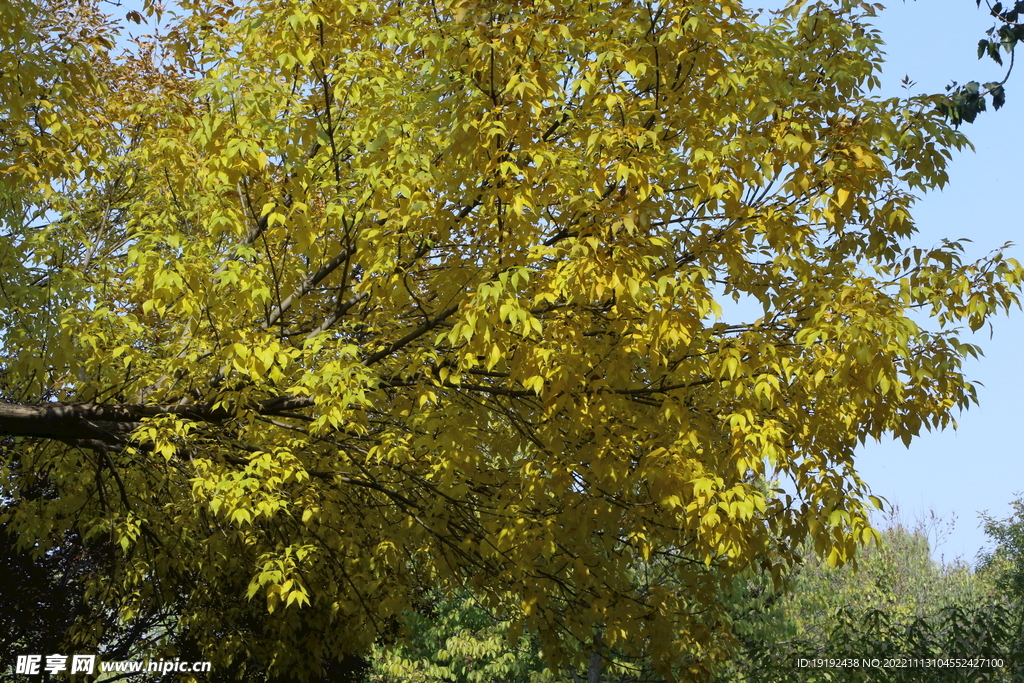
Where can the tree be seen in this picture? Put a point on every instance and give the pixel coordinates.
(900, 604)
(897, 603)
(452, 638)
(344, 299)
(896, 576)
(1005, 563)
(968, 100)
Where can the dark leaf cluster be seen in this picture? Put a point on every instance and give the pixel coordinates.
(965, 102)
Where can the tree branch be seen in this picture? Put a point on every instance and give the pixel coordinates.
(310, 282)
(415, 334)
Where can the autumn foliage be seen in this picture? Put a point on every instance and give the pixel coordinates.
(308, 305)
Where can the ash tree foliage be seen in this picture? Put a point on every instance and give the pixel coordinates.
(309, 304)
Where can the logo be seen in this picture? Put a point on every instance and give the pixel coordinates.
(33, 664)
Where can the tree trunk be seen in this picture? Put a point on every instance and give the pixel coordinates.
(594, 670)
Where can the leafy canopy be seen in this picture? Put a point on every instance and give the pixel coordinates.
(310, 304)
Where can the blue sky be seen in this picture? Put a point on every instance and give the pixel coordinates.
(978, 467)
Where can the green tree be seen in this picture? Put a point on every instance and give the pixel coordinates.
(453, 638)
(897, 575)
(1005, 562)
(309, 305)
(898, 603)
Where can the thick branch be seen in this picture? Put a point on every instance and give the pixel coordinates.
(91, 422)
(88, 422)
